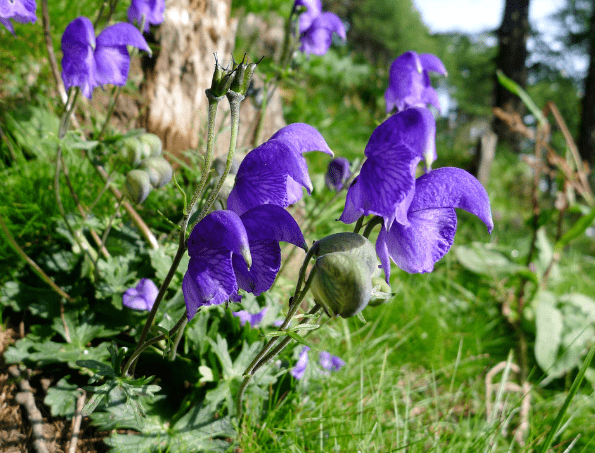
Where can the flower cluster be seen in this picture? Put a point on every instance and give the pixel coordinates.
(142, 296)
(419, 218)
(327, 361)
(91, 61)
(316, 28)
(22, 11)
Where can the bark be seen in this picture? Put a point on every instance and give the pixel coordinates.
(512, 54)
(181, 70)
(586, 141)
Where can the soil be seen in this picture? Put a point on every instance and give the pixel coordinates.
(16, 430)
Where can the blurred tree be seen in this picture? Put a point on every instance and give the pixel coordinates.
(511, 60)
(586, 140)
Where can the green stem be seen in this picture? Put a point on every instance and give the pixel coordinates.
(377, 220)
(177, 340)
(73, 94)
(110, 110)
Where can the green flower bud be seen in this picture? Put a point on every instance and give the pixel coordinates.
(137, 186)
(244, 73)
(341, 284)
(158, 169)
(152, 144)
(352, 243)
(132, 151)
(381, 292)
(222, 79)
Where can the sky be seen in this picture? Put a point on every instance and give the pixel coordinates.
(473, 16)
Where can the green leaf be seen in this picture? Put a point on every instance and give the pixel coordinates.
(62, 398)
(27, 350)
(514, 88)
(548, 325)
(575, 230)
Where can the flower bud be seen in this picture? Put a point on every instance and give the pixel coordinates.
(158, 169)
(222, 79)
(342, 284)
(152, 144)
(351, 243)
(243, 76)
(337, 173)
(137, 186)
(132, 151)
(381, 292)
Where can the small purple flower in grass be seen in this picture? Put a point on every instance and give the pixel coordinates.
(330, 362)
(151, 9)
(409, 82)
(386, 183)
(316, 28)
(337, 173)
(142, 296)
(22, 11)
(89, 62)
(432, 220)
(275, 172)
(300, 367)
(228, 252)
(252, 319)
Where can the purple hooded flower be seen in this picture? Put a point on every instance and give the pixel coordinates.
(252, 319)
(337, 173)
(409, 82)
(386, 183)
(316, 28)
(275, 172)
(300, 367)
(89, 62)
(142, 296)
(330, 362)
(151, 9)
(22, 11)
(432, 220)
(228, 252)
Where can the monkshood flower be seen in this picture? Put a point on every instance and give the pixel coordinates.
(22, 11)
(151, 9)
(252, 319)
(316, 28)
(142, 296)
(275, 172)
(432, 220)
(337, 173)
(228, 252)
(300, 367)
(409, 82)
(330, 362)
(386, 183)
(89, 62)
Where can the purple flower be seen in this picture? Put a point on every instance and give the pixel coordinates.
(386, 183)
(22, 11)
(316, 28)
(409, 82)
(337, 173)
(89, 62)
(330, 362)
(151, 9)
(431, 220)
(141, 297)
(253, 320)
(228, 252)
(275, 172)
(300, 367)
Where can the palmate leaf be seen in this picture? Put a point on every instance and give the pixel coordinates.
(62, 398)
(40, 353)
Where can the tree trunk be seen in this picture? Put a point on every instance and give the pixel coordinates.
(586, 140)
(181, 70)
(512, 54)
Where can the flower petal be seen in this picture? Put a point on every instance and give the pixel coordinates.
(266, 261)
(219, 230)
(112, 65)
(122, 34)
(78, 62)
(252, 319)
(209, 280)
(7, 24)
(451, 187)
(303, 138)
(316, 40)
(152, 10)
(332, 22)
(415, 248)
(272, 223)
(432, 63)
(314, 9)
(300, 367)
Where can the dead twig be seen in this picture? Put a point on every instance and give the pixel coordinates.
(25, 398)
(76, 421)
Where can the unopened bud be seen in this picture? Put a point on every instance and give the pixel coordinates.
(137, 186)
(152, 144)
(132, 151)
(158, 169)
(222, 79)
(341, 284)
(352, 243)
